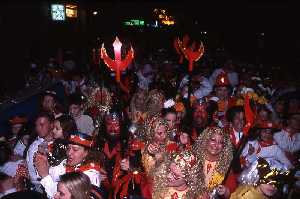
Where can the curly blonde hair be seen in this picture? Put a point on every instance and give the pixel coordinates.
(192, 175)
(224, 158)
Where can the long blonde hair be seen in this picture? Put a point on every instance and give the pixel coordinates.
(78, 184)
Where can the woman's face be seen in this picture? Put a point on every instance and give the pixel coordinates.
(184, 138)
(268, 189)
(175, 176)
(62, 192)
(215, 144)
(171, 119)
(160, 134)
(57, 130)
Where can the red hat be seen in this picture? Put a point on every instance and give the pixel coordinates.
(18, 120)
(222, 80)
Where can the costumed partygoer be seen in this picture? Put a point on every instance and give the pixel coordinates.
(20, 135)
(214, 153)
(261, 181)
(178, 177)
(112, 145)
(79, 158)
(222, 95)
(264, 147)
(157, 143)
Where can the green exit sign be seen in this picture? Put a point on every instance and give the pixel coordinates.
(134, 22)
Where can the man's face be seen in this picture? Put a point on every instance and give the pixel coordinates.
(171, 119)
(75, 110)
(43, 127)
(16, 128)
(112, 126)
(75, 154)
(238, 121)
(48, 103)
(222, 92)
(200, 116)
(294, 122)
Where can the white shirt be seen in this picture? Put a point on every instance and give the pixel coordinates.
(85, 124)
(287, 143)
(204, 90)
(271, 153)
(10, 168)
(50, 181)
(29, 159)
(19, 148)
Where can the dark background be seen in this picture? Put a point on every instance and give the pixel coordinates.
(27, 31)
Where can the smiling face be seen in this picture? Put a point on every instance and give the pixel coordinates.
(175, 173)
(76, 154)
(215, 145)
(268, 189)
(160, 134)
(266, 135)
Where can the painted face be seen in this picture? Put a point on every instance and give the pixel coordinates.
(43, 127)
(75, 154)
(268, 189)
(112, 126)
(62, 192)
(75, 110)
(222, 92)
(215, 144)
(160, 134)
(238, 121)
(57, 130)
(48, 103)
(171, 119)
(266, 134)
(200, 116)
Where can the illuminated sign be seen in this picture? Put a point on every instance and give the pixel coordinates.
(58, 12)
(71, 11)
(134, 22)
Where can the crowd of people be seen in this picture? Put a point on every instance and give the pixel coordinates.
(225, 131)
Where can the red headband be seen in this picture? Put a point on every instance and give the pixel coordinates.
(81, 141)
